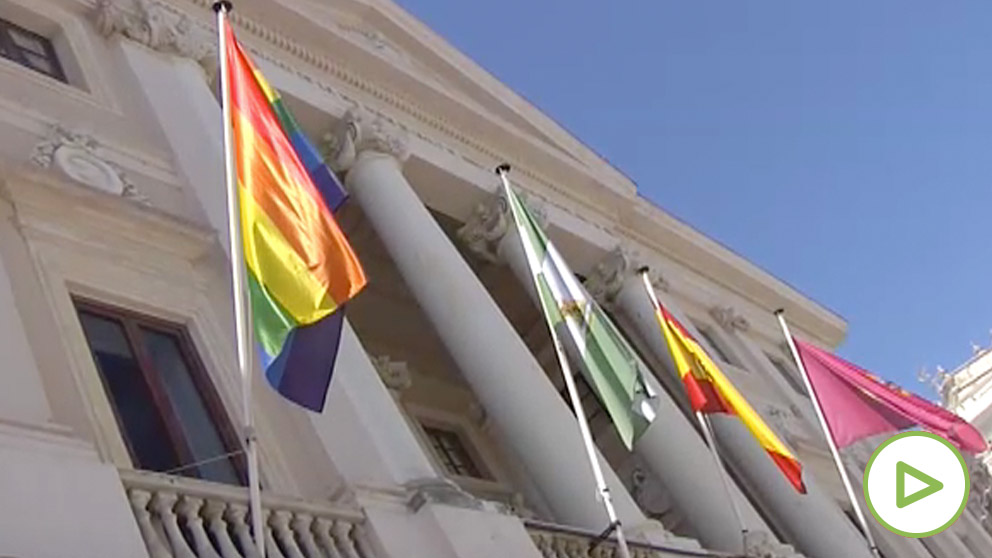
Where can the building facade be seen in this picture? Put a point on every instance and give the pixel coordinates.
(446, 432)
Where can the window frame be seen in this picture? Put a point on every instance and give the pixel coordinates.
(15, 52)
(465, 440)
(131, 322)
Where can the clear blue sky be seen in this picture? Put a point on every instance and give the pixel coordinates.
(844, 146)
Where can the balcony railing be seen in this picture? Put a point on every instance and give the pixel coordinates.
(556, 541)
(186, 518)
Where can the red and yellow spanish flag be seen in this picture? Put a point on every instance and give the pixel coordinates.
(710, 391)
(300, 266)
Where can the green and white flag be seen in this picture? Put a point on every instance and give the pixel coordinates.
(609, 364)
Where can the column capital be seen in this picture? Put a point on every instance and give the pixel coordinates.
(609, 275)
(156, 26)
(490, 221)
(363, 130)
(729, 319)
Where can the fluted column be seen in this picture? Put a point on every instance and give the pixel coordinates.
(671, 446)
(490, 356)
(812, 522)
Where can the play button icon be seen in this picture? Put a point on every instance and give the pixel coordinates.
(915, 467)
(930, 484)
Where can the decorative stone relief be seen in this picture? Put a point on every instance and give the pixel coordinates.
(980, 499)
(761, 544)
(158, 27)
(490, 221)
(440, 491)
(395, 375)
(781, 421)
(77, 155)
(610, 274)
(729, 319)
(364, 130)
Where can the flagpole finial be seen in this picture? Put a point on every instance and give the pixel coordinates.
(643, 269)
(503, 168)
(779, 311)
(223, 5)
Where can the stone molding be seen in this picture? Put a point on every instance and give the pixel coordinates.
(362, 130)
(394, 374)
(489, 222)
(729, 319)
(611, 273)
(440, 491)
(157, 27)
(77, 155)
(761, 544)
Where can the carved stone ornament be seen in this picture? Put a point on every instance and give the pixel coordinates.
(156, 26)
(729, 319)
(761, 544)
(440, 491)
(364, 130)
(77, 155)
(395, 375)
(490, 220)
(610, 274)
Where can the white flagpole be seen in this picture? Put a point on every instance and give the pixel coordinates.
(705, 425)
(573, 394)
(780, 314)
(241, 311)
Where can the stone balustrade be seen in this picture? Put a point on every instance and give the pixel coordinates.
(556, 541)
(187, 518)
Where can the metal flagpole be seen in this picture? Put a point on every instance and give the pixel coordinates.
(705, 425)
(241, 310)
(573, 394)
(780, 314)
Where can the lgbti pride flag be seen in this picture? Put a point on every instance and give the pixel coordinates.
(857, 404)
(710, 391)
(300, 266)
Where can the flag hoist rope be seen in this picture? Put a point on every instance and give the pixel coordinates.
(241, 310)
(704, 423)
(573, 394)
(838, 462)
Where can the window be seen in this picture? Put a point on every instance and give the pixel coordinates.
(29, 49)
(170, 416)
(452, 452)
(786, 371)
(711, 341)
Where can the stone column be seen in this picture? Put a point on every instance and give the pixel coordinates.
(812, 522)
(671, 446)
(491, 357)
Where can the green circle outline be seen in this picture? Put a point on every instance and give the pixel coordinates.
(964, 467)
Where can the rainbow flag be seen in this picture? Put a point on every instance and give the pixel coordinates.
(710, 391)
(301, 269)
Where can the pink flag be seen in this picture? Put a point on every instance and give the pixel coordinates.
(858, 404)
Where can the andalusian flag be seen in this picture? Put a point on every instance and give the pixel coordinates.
(609, 364)
(301, 268)
(710, 391)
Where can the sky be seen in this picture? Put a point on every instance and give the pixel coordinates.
(844, 146)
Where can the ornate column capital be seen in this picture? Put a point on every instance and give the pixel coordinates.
(363, 130)
(729, 319)
(156, 26)
(395, 375)
(610, 274)
(489, 222)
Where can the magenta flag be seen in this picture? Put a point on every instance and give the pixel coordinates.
(858, 404)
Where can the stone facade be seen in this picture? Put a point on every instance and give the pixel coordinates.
(445, 432)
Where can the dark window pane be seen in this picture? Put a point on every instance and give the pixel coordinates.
(144, 428)
(39, 63)
(29, 42)
(202, 436)
(29, 49)
(453, 454)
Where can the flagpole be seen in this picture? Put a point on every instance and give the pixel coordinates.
(241, 312)
(573, 394)
(780, 314)
(707, 430)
